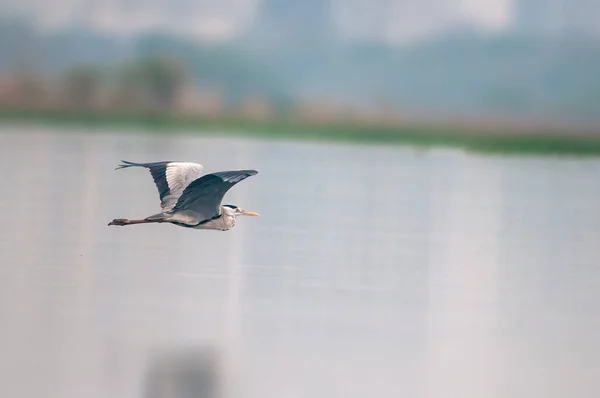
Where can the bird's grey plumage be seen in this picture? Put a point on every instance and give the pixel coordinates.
(189, 199)
(171, 178)
(202, 198)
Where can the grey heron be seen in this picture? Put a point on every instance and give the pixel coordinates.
(190, 199)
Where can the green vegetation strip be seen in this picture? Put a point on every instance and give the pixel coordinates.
(530, 142)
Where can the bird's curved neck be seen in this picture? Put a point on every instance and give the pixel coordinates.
(223, 221)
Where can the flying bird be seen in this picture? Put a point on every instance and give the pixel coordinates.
(190, 200)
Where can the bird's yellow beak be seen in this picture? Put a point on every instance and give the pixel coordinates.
(250, 213)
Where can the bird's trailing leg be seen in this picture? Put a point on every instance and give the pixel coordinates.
(124, 221)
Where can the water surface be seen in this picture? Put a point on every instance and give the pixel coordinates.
(373, 272)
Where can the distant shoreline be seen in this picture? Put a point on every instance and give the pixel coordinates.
(485, 138)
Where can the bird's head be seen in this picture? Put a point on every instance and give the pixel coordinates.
(236, 211)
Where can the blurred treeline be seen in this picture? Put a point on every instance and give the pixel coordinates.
(460, 73)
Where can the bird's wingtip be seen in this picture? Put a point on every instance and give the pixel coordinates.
(124, 165)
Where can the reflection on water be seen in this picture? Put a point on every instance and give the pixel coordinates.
(183, 373)
(372, 272)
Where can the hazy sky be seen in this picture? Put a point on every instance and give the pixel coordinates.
(395, 20)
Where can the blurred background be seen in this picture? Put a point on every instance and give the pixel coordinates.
(388, 60)
(461, 264)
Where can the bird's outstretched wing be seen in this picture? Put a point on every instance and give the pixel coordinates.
(171, 178)
(203, 196)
